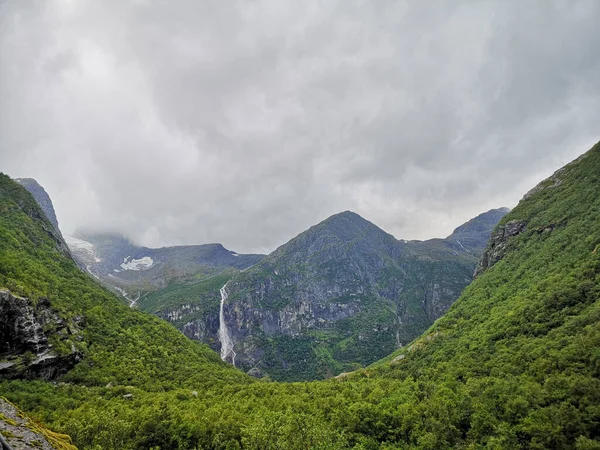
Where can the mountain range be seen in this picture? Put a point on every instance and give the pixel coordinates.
(135, 271)
(337, 297)
(513, 363)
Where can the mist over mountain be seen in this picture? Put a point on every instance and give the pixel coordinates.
(134, 271)
(340, 295)
(275, 225)
(511, 364)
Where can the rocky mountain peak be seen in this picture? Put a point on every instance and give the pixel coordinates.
(334, 235)
(41, 197)
(474, 234)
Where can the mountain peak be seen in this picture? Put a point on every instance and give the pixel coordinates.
(484, 221)
(348, 226)
(41, 197)
(474, 234)
(345, 216)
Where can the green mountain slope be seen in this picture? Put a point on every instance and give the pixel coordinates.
(520, 350)
(514, 364)
(116, 344)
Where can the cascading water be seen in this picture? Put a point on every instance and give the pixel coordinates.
(224, 337)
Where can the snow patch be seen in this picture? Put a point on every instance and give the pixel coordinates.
(79, 244)
(84, 249)
(137, 264)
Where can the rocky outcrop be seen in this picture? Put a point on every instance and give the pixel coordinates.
(194, 322)
(18, 432)
(497, 246)
(34, 340)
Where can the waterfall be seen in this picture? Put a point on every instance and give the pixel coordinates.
(224, 337)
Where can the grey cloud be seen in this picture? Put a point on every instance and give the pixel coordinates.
(247, 122)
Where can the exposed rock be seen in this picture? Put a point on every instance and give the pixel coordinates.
(21, 433)
(474, 235)
(25, 329)
(496, 248)
(41, 197)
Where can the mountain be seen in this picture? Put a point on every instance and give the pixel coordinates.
(134, 271)
(41, 197)
(475, 234)
(515, 361)
(337, 297)
(359, 293)
(513, 364)
(57, 320)
(43, 200)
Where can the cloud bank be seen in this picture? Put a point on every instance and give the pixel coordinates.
(246, 122)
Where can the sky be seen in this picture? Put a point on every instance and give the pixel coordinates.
(246, 122)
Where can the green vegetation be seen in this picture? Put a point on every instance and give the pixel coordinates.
(341, 295)
(515, 363)
(120, 345)
(202, 292)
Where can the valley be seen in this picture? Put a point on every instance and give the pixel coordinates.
(511, 362)
(339, 296)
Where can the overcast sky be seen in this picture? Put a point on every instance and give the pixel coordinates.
(246, 122)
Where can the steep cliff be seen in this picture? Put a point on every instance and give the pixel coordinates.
(34, 340)
(41, 197)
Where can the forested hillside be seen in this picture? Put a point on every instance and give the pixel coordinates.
(515, 363)
(117, 344)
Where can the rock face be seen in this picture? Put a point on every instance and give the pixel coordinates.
(475, 234)
(20, 433)
(338, 296)
(497, 244)
(41, 197)
(26, 332)
(43, 200)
